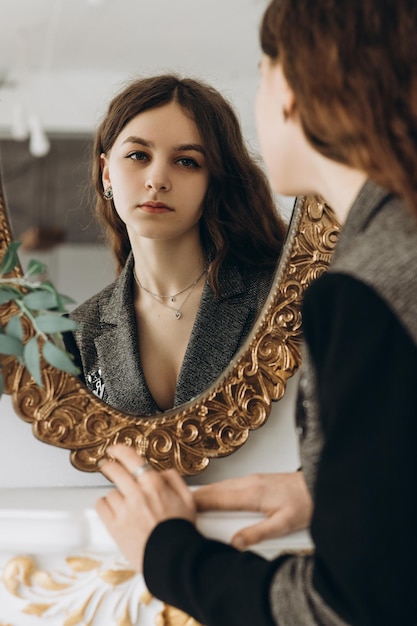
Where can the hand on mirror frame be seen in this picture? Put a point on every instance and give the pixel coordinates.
(132, 511)
(283, 498)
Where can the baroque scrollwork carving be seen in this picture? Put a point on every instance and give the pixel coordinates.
(65, 414)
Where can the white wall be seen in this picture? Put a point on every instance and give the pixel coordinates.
(74, 102)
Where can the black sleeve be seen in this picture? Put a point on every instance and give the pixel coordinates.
(209, 580)
(365, 520)
(365, 517)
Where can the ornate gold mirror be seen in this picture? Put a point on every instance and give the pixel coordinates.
(65, 413)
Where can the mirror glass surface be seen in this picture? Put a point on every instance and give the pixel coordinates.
(45, 78)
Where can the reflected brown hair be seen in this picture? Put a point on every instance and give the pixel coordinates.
(352, 65)
(240, 222)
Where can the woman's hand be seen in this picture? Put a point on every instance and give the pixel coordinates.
(283, 498)
(138, 505)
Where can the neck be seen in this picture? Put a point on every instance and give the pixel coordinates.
(166, 267)
(339, 185)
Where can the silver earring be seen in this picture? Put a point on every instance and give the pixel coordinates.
(108, 193)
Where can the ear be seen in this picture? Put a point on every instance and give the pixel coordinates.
(105, 174)
(284, 92)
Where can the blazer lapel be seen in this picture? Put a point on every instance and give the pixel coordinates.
(219, 330)
(117, 350)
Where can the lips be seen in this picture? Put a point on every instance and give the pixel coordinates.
(155, 207)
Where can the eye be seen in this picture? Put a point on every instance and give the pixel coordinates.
(187, 162)
(137, 155)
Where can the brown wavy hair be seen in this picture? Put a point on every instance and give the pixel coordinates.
(240, 222)
(352, 65)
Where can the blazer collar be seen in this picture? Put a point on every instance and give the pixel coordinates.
(368, 201)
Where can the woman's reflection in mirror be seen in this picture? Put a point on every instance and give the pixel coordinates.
(196, 235)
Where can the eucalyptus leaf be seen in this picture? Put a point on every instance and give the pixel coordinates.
(6, 296)
(48, 286)
(59, 359)
(66, 299)
(14, 327)
(35, 267)
(62, 301)
(41, 303)
(40, 300)
(10, 259)
(50, 323)
(32, 360)
(9, 293)
(60, 305)
(10, 345)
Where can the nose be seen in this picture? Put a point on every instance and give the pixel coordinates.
(158, 180)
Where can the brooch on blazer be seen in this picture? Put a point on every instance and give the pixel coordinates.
(96, 383)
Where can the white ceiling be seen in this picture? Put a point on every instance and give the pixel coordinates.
(64, 59)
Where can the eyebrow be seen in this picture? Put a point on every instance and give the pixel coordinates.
(196, 147)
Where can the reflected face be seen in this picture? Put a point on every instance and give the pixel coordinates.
(158, 172)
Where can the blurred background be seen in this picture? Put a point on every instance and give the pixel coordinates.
(61, 62)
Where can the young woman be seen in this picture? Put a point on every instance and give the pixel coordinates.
(337, 115)
(196, 236)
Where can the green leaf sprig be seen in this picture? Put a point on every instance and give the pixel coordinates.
(44, 307)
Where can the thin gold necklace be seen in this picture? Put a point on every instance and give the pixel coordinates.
(172, 298)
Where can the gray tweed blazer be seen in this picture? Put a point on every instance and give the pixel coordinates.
(108, 346)
(378, 246)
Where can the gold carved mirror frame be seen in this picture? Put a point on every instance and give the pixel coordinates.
(65, 413)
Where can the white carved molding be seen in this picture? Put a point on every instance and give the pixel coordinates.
(59, 565)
